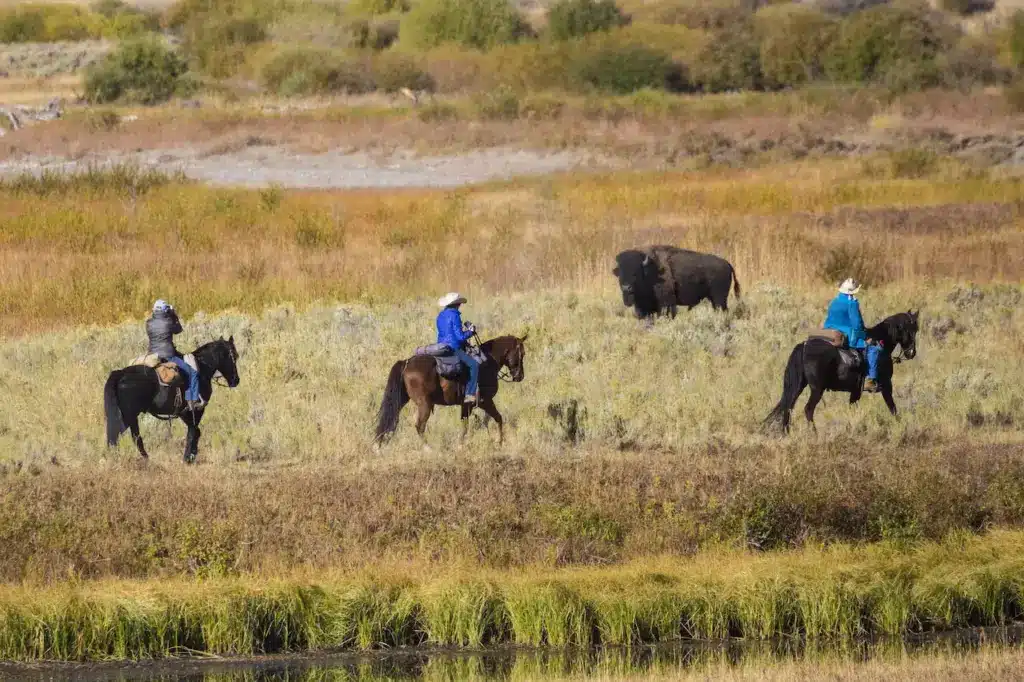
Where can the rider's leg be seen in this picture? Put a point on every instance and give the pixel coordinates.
(192, 376)
(871, 356)
(474, 373)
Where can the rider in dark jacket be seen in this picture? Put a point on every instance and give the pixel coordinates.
(161, 328)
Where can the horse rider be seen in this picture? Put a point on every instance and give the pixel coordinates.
(161, 328)
(455, 334)
(844, 316)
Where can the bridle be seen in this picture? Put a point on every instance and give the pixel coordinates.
(504, 371)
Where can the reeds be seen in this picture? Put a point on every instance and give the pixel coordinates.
(867, 590)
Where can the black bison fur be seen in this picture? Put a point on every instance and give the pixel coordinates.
(661, 278)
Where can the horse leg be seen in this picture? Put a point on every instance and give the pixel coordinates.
(133, 425)
(489, 408)
(466, 411)
(192, 437)
(889, 402)
(423, 409)
(812, 403)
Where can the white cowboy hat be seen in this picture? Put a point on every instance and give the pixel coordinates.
(450, 298)
(850, 286)
(162, 306)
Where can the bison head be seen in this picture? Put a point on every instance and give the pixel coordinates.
(637, 273)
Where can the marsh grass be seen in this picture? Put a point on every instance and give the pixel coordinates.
(891, 591)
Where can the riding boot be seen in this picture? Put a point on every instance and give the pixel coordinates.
(196, 405)
(870, 386)
(472, 398)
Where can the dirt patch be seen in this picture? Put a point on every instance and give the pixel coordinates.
(255, 165)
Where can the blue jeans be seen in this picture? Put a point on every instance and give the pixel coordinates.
(192, 392)
(474, 369)
(871, 355)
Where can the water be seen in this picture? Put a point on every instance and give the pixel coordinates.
(512, 664)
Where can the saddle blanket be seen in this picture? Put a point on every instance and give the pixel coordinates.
(448, 364)
(166, 372)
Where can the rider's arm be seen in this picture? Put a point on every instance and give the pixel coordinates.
(856, 320)
(176, 324)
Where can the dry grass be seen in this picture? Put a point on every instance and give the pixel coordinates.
(97, 255)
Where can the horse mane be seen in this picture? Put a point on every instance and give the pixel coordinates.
(488, 345)
(892, 326)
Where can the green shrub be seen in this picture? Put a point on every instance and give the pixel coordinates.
(1016, 40)
(912, 163)
(143, 71)
(971, 62)
(792, 40)
(577, 18)
(48, 23)
(501, 103)
(532, 66)
(394, 71)
(620, 68)
(310, 71)
(705, 15)
(372, 35)
(730, 60)
(889, 44)
(480, 24)
(373, 8)
(217, 44)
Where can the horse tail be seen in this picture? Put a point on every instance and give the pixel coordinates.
(395, 398)
(792, 386)
(115, 423)
(735, 282)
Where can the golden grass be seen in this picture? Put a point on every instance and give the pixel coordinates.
(99, 256)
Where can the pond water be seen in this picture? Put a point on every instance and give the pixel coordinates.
(517, 663)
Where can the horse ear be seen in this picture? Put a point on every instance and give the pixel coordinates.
(232, 339)
(616, 271)
(523, 338)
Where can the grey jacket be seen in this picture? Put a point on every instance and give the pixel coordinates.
(161, 328)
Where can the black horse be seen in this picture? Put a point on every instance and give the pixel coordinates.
(133, 390)
(816, 363)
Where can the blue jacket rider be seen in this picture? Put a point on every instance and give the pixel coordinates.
(844, 315)
(454, 334)
(161, 328)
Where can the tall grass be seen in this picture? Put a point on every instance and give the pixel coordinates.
(749, 597)
(72, 255)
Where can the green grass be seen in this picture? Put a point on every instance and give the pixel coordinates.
(872, 590)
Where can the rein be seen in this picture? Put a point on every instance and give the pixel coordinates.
(504, 373)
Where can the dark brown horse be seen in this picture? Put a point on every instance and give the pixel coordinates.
(416, 379)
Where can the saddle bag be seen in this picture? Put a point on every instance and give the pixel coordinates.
(448, 364)
(832, 336)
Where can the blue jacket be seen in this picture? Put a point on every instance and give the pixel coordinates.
(449, 329)
(844, 315)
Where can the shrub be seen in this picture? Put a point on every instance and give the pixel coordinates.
(1013, 94)
(143, 71)
(618, 68)
(912, 163)
(533, 66)
(889, 43)
(1016, 40)
(577, 18)
(306, 71)
(48, 23)
(971, 62)
(392, 72)
(372, 35)
(792, 40)
(730, 60)
(218, 43)
(501, 103)
(705, 15)
(480, 24)
(375, 8)
(966, 7)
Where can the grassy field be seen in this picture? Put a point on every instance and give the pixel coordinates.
(818, 593)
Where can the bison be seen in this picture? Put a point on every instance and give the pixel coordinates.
(660, 278)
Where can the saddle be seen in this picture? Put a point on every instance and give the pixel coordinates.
(850, 359)
(832, 336)
(166, 372)
(447, 363)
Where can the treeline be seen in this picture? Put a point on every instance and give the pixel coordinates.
(300, 47)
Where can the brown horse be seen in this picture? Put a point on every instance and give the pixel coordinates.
(416, 379)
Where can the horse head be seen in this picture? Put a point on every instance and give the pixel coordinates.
(510, 352)
(903, 331)
(222, 357)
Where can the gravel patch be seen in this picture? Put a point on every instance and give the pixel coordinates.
(264, 166)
